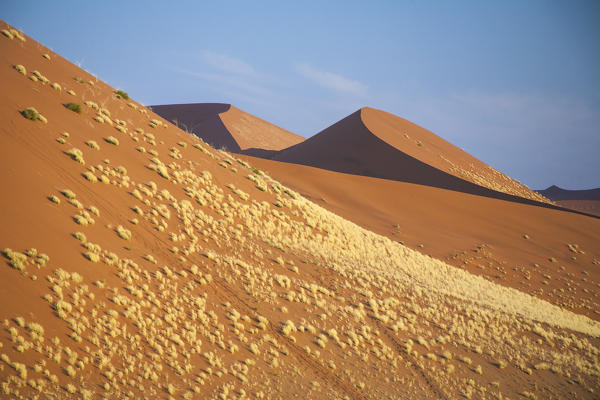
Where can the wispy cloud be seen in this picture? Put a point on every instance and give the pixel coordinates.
(228, 64)
(233, 78)
(330, 80)
(229, 81)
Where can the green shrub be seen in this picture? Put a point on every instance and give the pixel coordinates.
(122, 94)
(30, 113)
(74, 107)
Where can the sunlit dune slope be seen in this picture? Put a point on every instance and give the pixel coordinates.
(375, 143)
(138, 262)
(551, 254)
(225, 126)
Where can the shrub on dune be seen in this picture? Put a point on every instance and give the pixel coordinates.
(32, 114)
(122, 94)
(76, 155)
(21, 69)
(74, 107)
(112, 140)
(7, 34)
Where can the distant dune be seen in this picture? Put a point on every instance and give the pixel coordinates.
(375, 143)
(556, 193)
(587, 201)
(225, 126)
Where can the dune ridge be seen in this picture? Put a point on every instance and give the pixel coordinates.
(375, 143)
(226, 126)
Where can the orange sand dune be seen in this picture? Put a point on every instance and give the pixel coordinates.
(485, 236)
(137, 262)
(225, 126)
(375, 143)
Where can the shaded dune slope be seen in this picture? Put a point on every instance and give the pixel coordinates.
(202, 120)
(556, 193)
(349, 146)
(586, 201)
(225, 126)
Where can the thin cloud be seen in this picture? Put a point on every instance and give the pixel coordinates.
(330, 80)
(228, 64)
(219, 80)
(232, 77)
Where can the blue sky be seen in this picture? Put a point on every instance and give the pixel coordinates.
(515, 83)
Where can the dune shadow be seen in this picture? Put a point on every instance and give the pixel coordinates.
(349, 147)
(204, 120)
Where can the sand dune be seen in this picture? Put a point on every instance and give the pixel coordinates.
(225, 126)
(139, 262)
(374, 143)
(556, 193)
(484, 236)
(586, 201)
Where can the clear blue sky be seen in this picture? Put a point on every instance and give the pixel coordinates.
(515, 83)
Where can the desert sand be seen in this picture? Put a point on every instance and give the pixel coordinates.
(375, 143)
(228, 127)
(518, 245)
(139, 262)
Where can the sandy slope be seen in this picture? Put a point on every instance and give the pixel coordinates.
(223, 125)
(148, 265)
(375, 143)
(482, 235)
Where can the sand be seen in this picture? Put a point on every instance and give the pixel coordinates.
(375, 143)
(225, 126)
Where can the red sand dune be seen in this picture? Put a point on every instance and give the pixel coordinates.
(483, 235)
(375, 143)
(223, 125)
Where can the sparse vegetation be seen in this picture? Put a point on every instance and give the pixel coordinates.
(121, 94)
(33, 115)
(76, 155)
(93, 144)
(112, 140)
(21, 69)
(73, 107)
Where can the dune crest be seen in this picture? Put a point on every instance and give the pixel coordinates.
(226, 126)
(375, 143)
